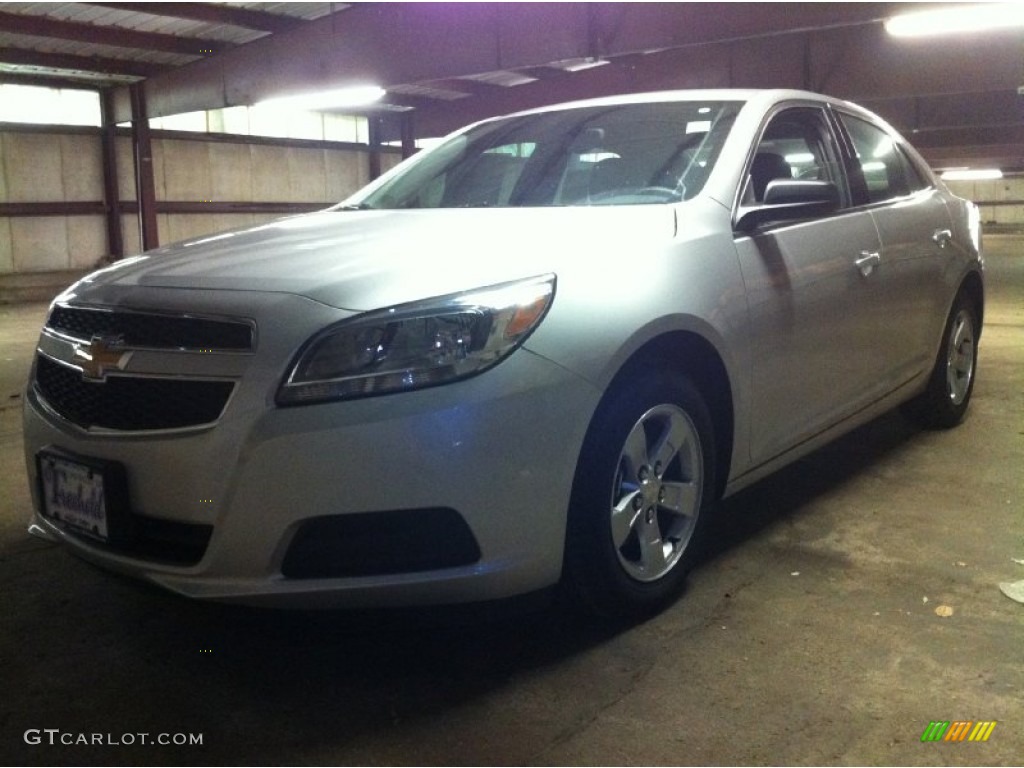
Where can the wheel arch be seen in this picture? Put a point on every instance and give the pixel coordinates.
(973, 288)
(691, 355)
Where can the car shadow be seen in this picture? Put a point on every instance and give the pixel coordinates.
(787, 492)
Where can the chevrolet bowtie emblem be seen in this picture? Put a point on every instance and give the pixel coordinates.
(101, 354)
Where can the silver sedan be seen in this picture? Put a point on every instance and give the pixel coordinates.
(537, 353)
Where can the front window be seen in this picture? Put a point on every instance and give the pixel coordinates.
(796, 144)
(625, 154)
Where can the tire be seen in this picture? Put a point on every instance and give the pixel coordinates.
(944, 402)
(644, 482)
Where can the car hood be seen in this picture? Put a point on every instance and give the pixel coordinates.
(362, 260)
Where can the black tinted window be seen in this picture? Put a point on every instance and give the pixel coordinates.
(915, 179)
(887, 172)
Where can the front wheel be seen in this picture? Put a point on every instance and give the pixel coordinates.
(644, 481)
(944, 402)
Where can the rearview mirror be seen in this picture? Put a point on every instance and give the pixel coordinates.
(790, 199)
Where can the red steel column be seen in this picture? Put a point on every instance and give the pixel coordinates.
(142, 151)
(111, 190)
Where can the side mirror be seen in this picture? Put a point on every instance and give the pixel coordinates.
(790, 199)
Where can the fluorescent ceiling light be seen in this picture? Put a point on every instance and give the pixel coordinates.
(502, 77)
(798, 158)
(972, 174)
(429, 143)
(884, 148)
(357, 96)
(579, 65)
(981, 17)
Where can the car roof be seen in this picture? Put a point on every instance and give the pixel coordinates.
(765, 96)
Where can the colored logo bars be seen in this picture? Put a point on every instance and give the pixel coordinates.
(958, 730)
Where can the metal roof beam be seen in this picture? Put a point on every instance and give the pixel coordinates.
(468, 87)
(213, 13)
(543, 72)
(45, 26)
(434, 41)
(98, 64)
(52, 81)
(976, 136)
(913, 85)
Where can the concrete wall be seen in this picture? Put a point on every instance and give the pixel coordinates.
(53, 168)
(48, 168)
(202, 171)
(37, 167)
(1008, 191)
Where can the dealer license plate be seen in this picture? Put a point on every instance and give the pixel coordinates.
(74, 494)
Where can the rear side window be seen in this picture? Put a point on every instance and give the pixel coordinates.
(885, 168)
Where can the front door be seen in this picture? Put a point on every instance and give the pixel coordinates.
(813, 293)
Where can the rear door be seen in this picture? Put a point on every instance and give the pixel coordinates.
(810, 290)
(916, 246)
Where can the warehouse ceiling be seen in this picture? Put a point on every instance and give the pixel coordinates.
(449, 63)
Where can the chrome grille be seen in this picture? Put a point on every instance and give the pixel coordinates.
(127, 402)
(153, 331)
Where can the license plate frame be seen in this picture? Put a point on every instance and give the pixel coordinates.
(84, 495)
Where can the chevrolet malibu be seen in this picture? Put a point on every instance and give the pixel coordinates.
(535, 354)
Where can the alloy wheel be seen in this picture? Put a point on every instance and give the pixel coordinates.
(657, 491)
(960, 357)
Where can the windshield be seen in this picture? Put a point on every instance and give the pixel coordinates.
(625, 154)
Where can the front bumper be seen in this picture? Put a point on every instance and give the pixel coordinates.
(500, 449)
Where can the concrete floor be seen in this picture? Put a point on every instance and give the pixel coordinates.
(809, 635)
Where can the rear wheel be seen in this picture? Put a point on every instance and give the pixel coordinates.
(643, 483)
(944, 403)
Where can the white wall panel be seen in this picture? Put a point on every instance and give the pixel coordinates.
(86, 241)
(230, 172)
(6, 246)
(81, 171)
(39, 243)
(33, 169)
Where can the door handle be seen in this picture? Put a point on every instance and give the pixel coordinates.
(868, 261)
(942, 237)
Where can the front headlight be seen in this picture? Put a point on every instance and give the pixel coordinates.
(417, 345)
